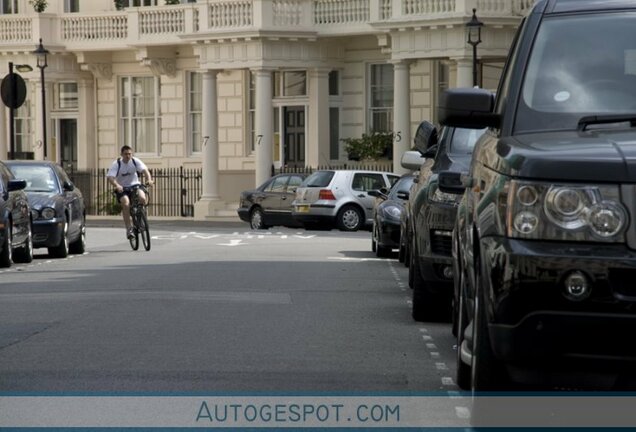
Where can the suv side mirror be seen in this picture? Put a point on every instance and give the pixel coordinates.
(68, 186)
(425, 137)
(412, 160)
(470, 108)
(453, 182)
(15, 185)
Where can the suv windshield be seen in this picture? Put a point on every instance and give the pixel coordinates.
(579, 65)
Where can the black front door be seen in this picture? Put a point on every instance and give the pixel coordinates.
(68, 143)
(295, 136)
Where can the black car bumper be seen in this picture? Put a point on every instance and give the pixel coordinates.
(389, 234)
(533, 316)
(244, 214)
(47, 233)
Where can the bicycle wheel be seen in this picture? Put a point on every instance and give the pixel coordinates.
(144, 230)
(134, 240)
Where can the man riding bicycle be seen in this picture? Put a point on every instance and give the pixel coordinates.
(123, 175)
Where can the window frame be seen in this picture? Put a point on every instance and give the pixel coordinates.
(371, 109)
(194, 146)
(126, 133)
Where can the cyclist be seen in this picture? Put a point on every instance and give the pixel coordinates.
(123, 175)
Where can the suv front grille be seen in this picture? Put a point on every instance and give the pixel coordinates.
(441, 242)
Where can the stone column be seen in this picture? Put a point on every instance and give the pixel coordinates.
(401, 114)
(4, 132)
(210, 200)
(264, 125)
(464, 72)
(317, 140)
(39, 124)
(86, 127)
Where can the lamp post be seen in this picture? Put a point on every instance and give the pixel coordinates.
(474, 38)
(40, 52)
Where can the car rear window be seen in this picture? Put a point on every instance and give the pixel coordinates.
(318, 179)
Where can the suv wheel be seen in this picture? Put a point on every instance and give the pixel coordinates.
(349, 218)
(487, 373)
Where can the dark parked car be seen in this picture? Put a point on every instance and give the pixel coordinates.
(270, 203)
(57, 207)
(16, 241)
(431, 224)
(385, 234)
(545, 244)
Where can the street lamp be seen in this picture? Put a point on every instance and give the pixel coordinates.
(474, 38)
(40, 52)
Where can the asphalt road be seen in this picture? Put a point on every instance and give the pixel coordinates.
(218, 308)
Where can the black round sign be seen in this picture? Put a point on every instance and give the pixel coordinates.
(13, 90)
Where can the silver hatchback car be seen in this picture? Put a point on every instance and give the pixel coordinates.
(339, 198)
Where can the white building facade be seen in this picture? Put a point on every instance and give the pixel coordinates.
(239, 86)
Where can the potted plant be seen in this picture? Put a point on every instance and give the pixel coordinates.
(38, 5)
(373, 146)
(119, 4)
(173, 2)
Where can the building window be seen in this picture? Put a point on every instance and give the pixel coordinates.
(381, 98)
(71, 6)
(67, 95)
(23, 123)
(139, 113)
(290, 83)
(8, 6)
(334, 83)
(195, 111)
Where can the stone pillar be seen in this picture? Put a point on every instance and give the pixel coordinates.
(4, 132)
(317, 141)
(39, 124)
(401, 114)
(464, 72)
(264, 125)
(86, 127)
(210, 200)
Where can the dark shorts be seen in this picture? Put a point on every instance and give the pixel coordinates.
(128, 191)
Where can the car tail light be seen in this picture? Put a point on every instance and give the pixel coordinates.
(326, 194)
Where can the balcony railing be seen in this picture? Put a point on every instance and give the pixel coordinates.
(168, 24)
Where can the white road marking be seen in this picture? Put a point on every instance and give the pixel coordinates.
(232, 242)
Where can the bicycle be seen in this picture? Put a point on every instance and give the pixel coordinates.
(139, 220)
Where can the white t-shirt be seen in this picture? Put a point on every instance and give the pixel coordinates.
(127, 171)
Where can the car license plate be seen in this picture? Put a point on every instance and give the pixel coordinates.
(302, 208)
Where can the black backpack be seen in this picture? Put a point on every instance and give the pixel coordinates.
(119, 166)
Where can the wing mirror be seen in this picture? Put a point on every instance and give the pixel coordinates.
(68, 186)
(453, 182)
(15, 185)
(412, 160)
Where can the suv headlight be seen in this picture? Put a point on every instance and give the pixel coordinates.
(565, 212)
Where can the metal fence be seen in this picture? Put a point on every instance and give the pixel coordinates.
(386, 166)
(174, 193)
(176, 189)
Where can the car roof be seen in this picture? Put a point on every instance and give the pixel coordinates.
(28, 162)
(354, 171)
(561, 6)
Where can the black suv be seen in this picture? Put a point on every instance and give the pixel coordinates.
(545, 239)
(431, 219)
